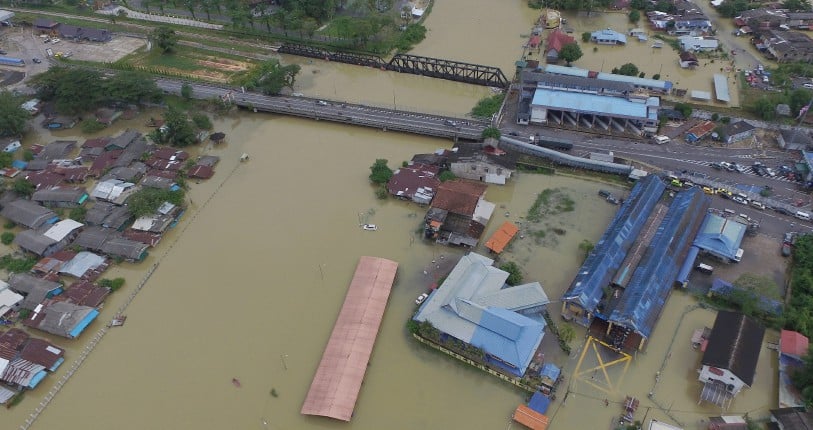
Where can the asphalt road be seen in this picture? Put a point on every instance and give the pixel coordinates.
(386, 119)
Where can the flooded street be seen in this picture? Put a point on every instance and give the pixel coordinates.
(249, 284)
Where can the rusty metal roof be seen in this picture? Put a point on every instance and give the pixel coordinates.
(337, 382)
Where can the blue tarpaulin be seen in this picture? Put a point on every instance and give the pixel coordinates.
(686, 269)
(550, 371)
(539, 402)
(19, 164)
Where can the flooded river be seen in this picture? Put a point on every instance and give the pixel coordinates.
(249, 284)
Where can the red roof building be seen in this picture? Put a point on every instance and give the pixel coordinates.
(86, 293)
(201, 172)
(793, 344)
(417, 182)
(44, 353)
(172, 154)
(459, 196)
(556, 40)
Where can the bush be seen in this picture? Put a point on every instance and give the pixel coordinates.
(17, 265)
(28, 155)
(90, 126)
(491, 132)
(514, 273)
(586, 36)
(488, 106)
(446, 175)
(715, 116)
(78, 214)
(413, 35)
(202, 121)
(9, 225)
(381, 192)
(113, 284)
(7, 237)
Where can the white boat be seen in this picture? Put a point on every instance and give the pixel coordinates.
(370, 227)
(657, 44)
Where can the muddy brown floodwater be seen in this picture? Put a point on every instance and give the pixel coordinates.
(249, 284)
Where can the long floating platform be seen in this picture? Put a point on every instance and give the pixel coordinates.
(336, 385)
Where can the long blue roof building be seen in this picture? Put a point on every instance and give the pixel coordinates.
(648, 241)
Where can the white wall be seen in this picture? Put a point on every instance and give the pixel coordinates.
(727, 377)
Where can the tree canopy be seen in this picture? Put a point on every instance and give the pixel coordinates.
(164, 38)
(12, 116)
(803, 378)
(491, 132)
(178, 130)
(148, 200)
(627, 69)
(570, 52)
(380, 172)
(514, 273)
(796, 5)
(634, 16)
(269, 77)
(76, 90)
(488, 106)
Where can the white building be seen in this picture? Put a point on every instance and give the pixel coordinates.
(692, 43)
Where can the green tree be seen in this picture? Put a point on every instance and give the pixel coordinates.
(74, 90)
(764, 108)
(491, 132)
(796, 5)
(112, 284)
(566, 333)
(132, 87)
(446, 175)
(202, 121)
(803, 378)
(628, 69)
(186, 91)
(28, 155)
(7, 237)
(12, 116)
(514, 273)
(634, 16)
(23, 187)
(269, 77)
(179, 131)
(586, 36)
(488, 106)
(380, 172)
(148, 200)
(164, 38)
(684, 109)
(6, 158)
(570, 53)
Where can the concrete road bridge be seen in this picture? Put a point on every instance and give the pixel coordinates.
(347, 113)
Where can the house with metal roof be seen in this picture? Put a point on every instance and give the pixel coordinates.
(633, 113)
(721, 91)
(114, 191)
(730, 360)
(737, 131)
(484, 163)
(796, 418)
(417, 182)
(34, 289)
(28, 214)
(160, 221)
(126, 249)
(720, 237)
(86, 293)
(793, 347)
(61, 318)
(694, 23)
(108, 215)
(94, 237)
(44, 353)
(82, 264)
(795, 139)
(556, 40)
(36, 243)
(608, 37)
(475, 306)
(61, 197)
(652, 85)
(458, 213)
(8, 299)
(21, 373)
(698, 44)
(787, 46)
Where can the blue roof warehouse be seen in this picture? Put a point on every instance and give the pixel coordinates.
(624, 283)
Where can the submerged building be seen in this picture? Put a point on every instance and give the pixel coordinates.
(622, 287)
(474, 305)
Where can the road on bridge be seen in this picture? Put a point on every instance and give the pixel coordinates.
(322, 109)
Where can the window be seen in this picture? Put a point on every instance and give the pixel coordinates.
(473, 168)
(485, 169)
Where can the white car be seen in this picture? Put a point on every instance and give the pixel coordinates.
(422, 298)
(54, 40)
(740, 200)
(370, 227)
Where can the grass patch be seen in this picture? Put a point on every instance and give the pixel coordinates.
(551, 201)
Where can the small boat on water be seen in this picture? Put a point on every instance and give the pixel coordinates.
(118, 321)
(236, 382)
(370, 227)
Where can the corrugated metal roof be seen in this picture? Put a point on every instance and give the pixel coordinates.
(569, 71)
(641, 303)
(81, 263)
(721, 88)
(720, 236)
(461, 308)
(592, 103)
(610, 251)
(62, 229)
(530, 418)
(502, 236)
(338, 378)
